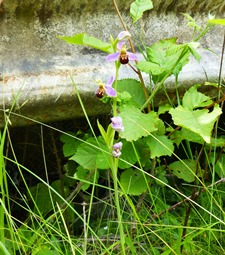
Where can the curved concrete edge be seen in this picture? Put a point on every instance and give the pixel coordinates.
(50, 96)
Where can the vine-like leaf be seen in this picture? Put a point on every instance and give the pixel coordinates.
(138, 7)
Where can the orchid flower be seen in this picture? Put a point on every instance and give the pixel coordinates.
(106, 89)
(117, 124)
(123, 36)
(122, 54)
(117, 147)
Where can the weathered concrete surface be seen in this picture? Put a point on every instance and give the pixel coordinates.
(36, 63)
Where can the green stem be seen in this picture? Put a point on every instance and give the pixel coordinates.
(114, 169)
(117, 203)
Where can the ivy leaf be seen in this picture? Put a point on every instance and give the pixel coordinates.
(87, 40)
(160, 145)
(199, 121)
(181, 171)
(134, 88)
(138, 7)
(134, 182)
(137, 124)
(193, 99)
(92, 154)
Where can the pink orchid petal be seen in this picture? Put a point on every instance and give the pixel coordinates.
(132, 56)
(110, 91)
(113, 57)
(123, 35)
(111, 80)
(120, 45)
(118, 146)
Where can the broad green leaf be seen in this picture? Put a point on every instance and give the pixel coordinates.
(87, 40)
(185, 134)
(199, 121)
(70, 144)
(181, 171)
(160, 145)
(150, 68)
(217, 21)
(85, 176)
(193, 99)
(138, 7)
(137, 124)
(134, 182)
(165, 58)
(134, 88)
(90, 156)
(128, 154)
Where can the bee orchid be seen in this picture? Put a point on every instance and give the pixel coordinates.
(122, 54)
(106, 89)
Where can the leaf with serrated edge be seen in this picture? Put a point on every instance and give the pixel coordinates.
(199, 121)
(137, 124)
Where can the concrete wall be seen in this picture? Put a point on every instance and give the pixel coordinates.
(36, 63)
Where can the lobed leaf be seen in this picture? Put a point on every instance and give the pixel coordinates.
(199, 121)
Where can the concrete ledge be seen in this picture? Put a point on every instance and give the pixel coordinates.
(36, 63)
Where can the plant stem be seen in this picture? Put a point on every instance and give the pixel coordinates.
(117, 203)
